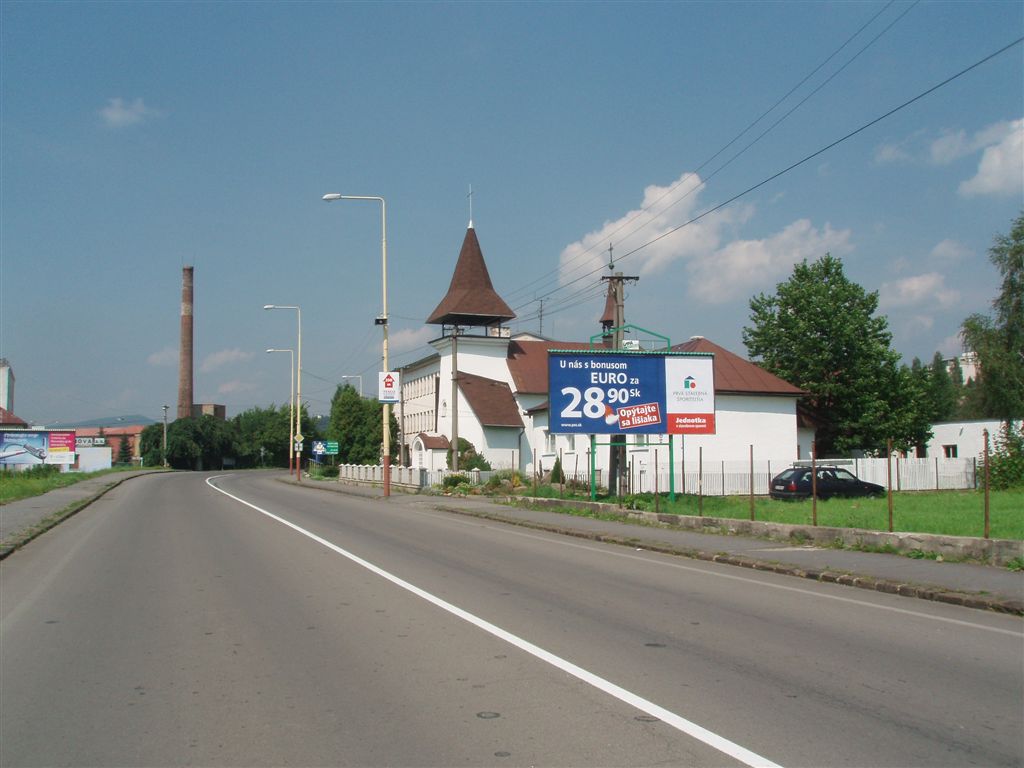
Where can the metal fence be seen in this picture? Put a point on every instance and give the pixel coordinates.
(715, 478)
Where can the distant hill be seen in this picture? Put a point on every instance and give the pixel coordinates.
(110, 422)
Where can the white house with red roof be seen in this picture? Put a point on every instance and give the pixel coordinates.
(498, 399)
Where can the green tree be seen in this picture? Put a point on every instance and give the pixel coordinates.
(124, 450)
(151, 445)
(942, 392)
(200, 443)
(999, 341)
(355, 423)
(819, 331)
(263, 435)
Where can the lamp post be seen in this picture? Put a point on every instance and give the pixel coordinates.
(354, 376)
(297, 436)
(382, 321)
(165, 434)
(291, 404)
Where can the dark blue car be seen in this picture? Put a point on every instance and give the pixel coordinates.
(795, 483)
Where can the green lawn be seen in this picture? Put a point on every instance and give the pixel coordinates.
(950, 513)
(23, 485)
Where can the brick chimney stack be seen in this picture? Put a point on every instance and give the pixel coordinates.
(185, 354)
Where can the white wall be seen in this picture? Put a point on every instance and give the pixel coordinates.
(93, 459)
(967, 436)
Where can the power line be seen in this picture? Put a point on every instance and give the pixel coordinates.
(809, 157)
(778, 102)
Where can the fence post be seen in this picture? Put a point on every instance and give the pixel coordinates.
(814, 483)
(888, 465)
(682, 468)
(561, 475)
(656, 510)
(751, 482)
(700, 481)
(936, 473)
(985, 433)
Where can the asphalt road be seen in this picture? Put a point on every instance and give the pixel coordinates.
(172, 624)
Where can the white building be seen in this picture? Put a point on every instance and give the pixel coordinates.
(964, 439)
(499, 398)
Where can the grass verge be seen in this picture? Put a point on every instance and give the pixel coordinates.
(24, 485)
(944, 513)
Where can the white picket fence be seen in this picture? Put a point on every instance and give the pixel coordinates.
(718, 478)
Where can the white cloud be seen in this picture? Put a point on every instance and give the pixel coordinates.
(222, 358)
(952, 346)
(409, 339)
(1001, 169)
(950, 251)
(891, 153)
(734, 270)
(119, 113)
(718, 273)
(165, 358)
(232, 387)
(929, 288)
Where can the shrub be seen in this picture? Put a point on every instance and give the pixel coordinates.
(41, 470)
(557, 475)
(451, 481)
(468, 457)
(510, 476)
(1006, 462)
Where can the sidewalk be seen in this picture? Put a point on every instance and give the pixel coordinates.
(967, 584)
(23, 520)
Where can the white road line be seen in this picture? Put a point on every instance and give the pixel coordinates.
(688, 727)
(652, 558)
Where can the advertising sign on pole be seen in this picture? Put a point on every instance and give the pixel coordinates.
(388, 387)
(37, 447)
(609, 393)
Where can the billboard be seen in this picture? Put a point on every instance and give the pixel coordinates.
(608, 393)
(19, 446)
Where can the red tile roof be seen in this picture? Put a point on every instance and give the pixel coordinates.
(491, 401)
(8, 419)
(471, 299)
(528, 364)
(434, 442)
(735, 375)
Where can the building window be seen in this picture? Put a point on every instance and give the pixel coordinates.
(949, 451)
(550, 442)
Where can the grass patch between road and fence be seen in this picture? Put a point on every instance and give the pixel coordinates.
(944, 513)
(47, 477)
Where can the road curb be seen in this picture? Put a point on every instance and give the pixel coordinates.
(843, 578)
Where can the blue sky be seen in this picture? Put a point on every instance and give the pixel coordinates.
(140, 137)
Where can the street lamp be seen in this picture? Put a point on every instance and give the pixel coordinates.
(297, 437)
(381, 321)
(360, 382)
(291, 404)
(165, 435)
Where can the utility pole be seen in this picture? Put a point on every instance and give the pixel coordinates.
(617, 453)
(540, 314)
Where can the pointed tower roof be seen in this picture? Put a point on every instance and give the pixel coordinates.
(471, 299)
(608, 318)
